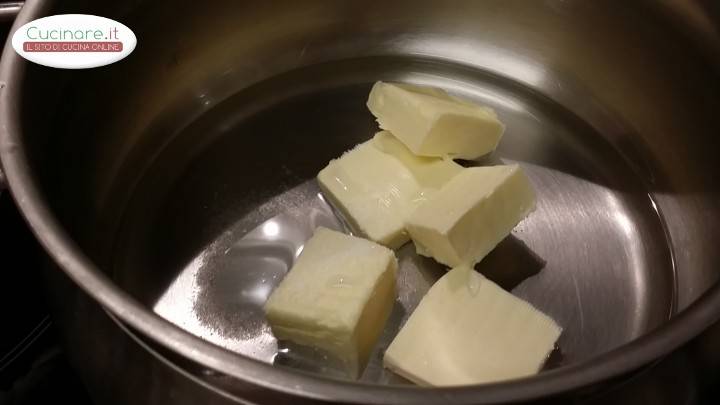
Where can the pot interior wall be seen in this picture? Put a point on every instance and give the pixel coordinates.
(186, 171)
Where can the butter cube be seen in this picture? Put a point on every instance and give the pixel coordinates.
(431, 173)
(467, 330)
(379, 183)
(464, 220)
(337, 297)
(432, 123)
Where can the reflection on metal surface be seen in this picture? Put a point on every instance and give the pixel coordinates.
(503, 62)
(9, 10)
(271, 229)
(220, 294)
(182, 289)
(585, 244)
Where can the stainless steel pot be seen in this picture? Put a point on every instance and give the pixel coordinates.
(150, 181)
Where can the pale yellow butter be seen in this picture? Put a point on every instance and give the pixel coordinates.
(467, 330)
(432, 123)
(464, 220)
(379, 183)
(337, 297)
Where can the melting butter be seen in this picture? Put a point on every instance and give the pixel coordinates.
(379, 183)
(432, 123)
(337, 297)
(461, 336)
(475, 210)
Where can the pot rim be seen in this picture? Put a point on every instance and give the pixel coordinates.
(24, 188)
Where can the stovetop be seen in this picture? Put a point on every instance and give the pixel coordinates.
(33, 367)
